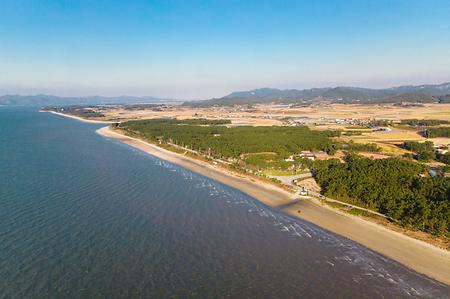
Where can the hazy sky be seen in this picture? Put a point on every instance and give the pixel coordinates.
(201, 49)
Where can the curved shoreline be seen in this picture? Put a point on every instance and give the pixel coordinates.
(79, 118)
(415, 254)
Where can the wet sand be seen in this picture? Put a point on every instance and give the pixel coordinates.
(417, 255)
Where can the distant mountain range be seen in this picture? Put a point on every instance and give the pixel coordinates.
(420, 93)
(49, 100)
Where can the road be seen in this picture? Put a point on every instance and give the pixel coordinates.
(287, 179)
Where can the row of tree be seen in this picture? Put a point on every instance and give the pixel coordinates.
(437, 132)
(362, 147)
(424, 122)
(231, 142)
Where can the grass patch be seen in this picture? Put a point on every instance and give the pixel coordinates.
(283, 172)
(358, 212)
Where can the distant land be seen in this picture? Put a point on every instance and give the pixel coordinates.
(428, 93)
(50, 100)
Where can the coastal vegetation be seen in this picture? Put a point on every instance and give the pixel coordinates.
(399, 188)
(391, 186)
(231, 142)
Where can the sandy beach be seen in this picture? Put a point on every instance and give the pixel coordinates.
(415, 254)
(79, 118)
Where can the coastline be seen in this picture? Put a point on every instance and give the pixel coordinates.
(266, 193)
(417, 255)
(79, 118)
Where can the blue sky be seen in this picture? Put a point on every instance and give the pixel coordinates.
(202, 49)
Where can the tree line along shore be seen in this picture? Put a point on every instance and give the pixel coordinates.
(399, 187)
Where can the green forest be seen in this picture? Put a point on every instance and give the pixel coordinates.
(231, 142)
(391, 186)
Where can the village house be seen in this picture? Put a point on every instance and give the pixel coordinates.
(307, 155)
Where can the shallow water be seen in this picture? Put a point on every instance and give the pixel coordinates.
(83, 216)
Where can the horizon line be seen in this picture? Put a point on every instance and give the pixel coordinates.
(197, 99)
